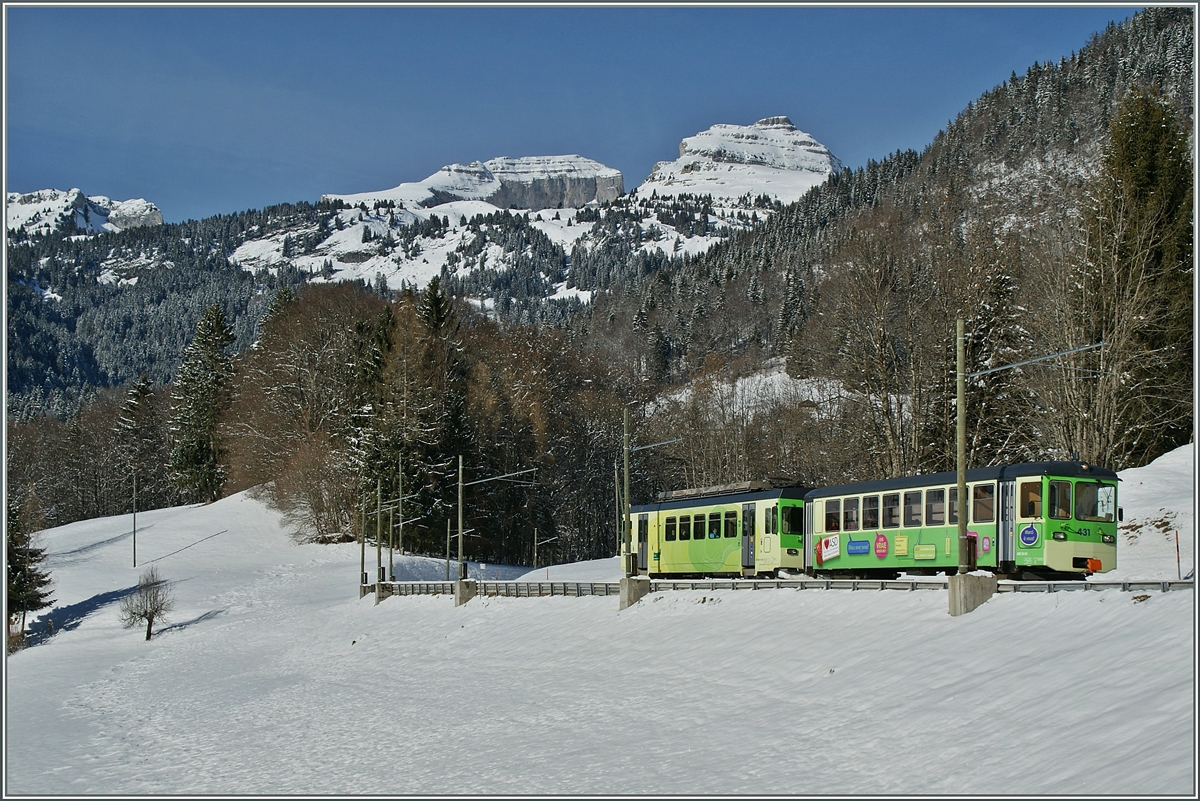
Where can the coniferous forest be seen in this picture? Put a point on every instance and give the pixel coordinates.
(1054, 212)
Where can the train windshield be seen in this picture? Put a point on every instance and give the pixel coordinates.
(1095, 503)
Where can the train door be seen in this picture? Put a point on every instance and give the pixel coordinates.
(643, 534)
(748, 539)
(1004, 531)
(808, 537)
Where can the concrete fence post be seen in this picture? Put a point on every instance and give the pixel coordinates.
(633, 589)
(968, 592)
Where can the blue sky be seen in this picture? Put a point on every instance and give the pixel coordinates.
(219, 109)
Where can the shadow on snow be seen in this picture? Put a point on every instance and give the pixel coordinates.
(66, 618)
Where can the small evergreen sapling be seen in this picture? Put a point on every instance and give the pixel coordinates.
(28, 587)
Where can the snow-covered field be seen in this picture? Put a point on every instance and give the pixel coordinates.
(273, 677)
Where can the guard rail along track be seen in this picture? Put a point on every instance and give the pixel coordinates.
(534, 589)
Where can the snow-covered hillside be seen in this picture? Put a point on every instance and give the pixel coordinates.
(273, 677)
(771, 157)
(48, 210)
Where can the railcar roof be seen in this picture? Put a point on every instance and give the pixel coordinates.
(950, 477)
(724, 499)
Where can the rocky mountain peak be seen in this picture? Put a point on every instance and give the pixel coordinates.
(772, 157)
(47, 210)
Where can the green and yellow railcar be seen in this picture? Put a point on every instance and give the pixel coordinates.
(734, 530)
(1030, 520)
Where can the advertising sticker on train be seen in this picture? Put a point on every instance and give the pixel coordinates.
(881, 546)
(1029, 536)
(830, 547)
(857, 547)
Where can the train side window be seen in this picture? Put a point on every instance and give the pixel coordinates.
(833, 515)
(870, 512)
(891, 510)
(1059, 502)
(714, 525)
(850, 514)
(731, 524)
(912, 508)
(698, 527)
(1030, 503)
(935, 507)
(772, 520)
(983, 510)
(685, 527)
(669, 530)
(952, 517)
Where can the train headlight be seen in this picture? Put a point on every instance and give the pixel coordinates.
(1109, 539)
(1060, 536)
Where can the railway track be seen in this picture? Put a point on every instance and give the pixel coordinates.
(535, 589)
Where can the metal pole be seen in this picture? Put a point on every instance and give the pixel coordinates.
(392, 544)
(961, 460)
(362, 541)
(625, 529)
(461, 567)
(135, 517)
(535, 549)
(447, 549)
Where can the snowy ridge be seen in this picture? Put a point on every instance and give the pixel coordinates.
(771, 157)
(48, 210)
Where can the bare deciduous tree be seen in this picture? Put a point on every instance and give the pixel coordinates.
(152, 601)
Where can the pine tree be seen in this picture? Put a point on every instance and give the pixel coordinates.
(28, 584)
(201, 393)
(1148, 180)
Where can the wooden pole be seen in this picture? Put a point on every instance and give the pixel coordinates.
(961, 448)
(1178, 568)
(135, 517)
(617, 502)
(400, 503)
(626, 531)
(461, 571)
(378, 527)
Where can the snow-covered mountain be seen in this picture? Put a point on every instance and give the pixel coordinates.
(771, 157)
(577, 224)
(48, 210)
(531, 182)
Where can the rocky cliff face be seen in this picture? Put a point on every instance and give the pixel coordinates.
(553, 182)
(136, 213)
(772, 157)
(532, 182)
